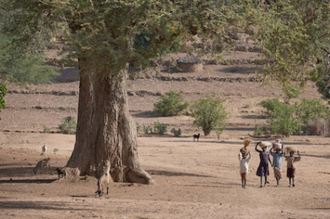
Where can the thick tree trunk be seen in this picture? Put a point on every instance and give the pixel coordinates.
(106, 131)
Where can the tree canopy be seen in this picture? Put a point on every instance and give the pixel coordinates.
(293, 35)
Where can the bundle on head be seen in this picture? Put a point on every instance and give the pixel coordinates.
(265, 144)
(289, 149)
(246, 142)
(277, 146)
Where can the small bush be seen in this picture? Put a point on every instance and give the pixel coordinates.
(46, 129)
(209, 114)
(160, 128)
(55, 150)
(258, 130)
(138, 127)
(171, 104)
(177, 133)
(68, 126)
(147, 129)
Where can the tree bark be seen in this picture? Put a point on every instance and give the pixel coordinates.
(105, 130)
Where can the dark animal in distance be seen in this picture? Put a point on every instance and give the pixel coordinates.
(196, 137)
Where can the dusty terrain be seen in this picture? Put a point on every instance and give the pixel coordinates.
(193, 179)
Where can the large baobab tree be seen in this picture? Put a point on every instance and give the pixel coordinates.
(103, 37)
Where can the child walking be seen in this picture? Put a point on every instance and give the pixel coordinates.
(291, 163)
(277, 160)
(244, 162)
(263, 169)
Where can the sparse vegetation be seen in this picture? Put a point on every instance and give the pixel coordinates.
(171, 104)
(311, 110)
(68, 126)
(177, 133)
(55, 150)
(209, 114)
(147, 129)
(138, 127)
(160, 128)
(288, 119)
(258, 131)
(46, 129)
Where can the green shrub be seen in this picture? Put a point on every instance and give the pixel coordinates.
(258, 131)
(209, 114)
(160, 128)
(55, 150)
(68, 126)
(283, 119)
(289, 119)
(46, 129)
(147, 129)
(311, 110)
(292, 91)
(138, 127)
(3, 92)
(270, 105)
(171, 104)
(177, 133)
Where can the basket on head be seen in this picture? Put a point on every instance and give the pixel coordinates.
(265, 144)
(277, 146)
(246, 142)
(289, 149)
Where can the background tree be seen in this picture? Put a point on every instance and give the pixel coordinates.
(294, 36)
(209, 114)
(3, 92)
(19, 64)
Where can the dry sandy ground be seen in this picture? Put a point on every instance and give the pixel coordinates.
(193, 179)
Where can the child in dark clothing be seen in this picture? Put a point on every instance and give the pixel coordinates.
(263, 169)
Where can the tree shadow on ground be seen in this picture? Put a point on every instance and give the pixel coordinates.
(317, 156)
(254, 117)
(240, 128)
(37, 205)
(215, 185)
(145, 114)
(21, 171)
(240, 69)
(28, 181)
(172, 173)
